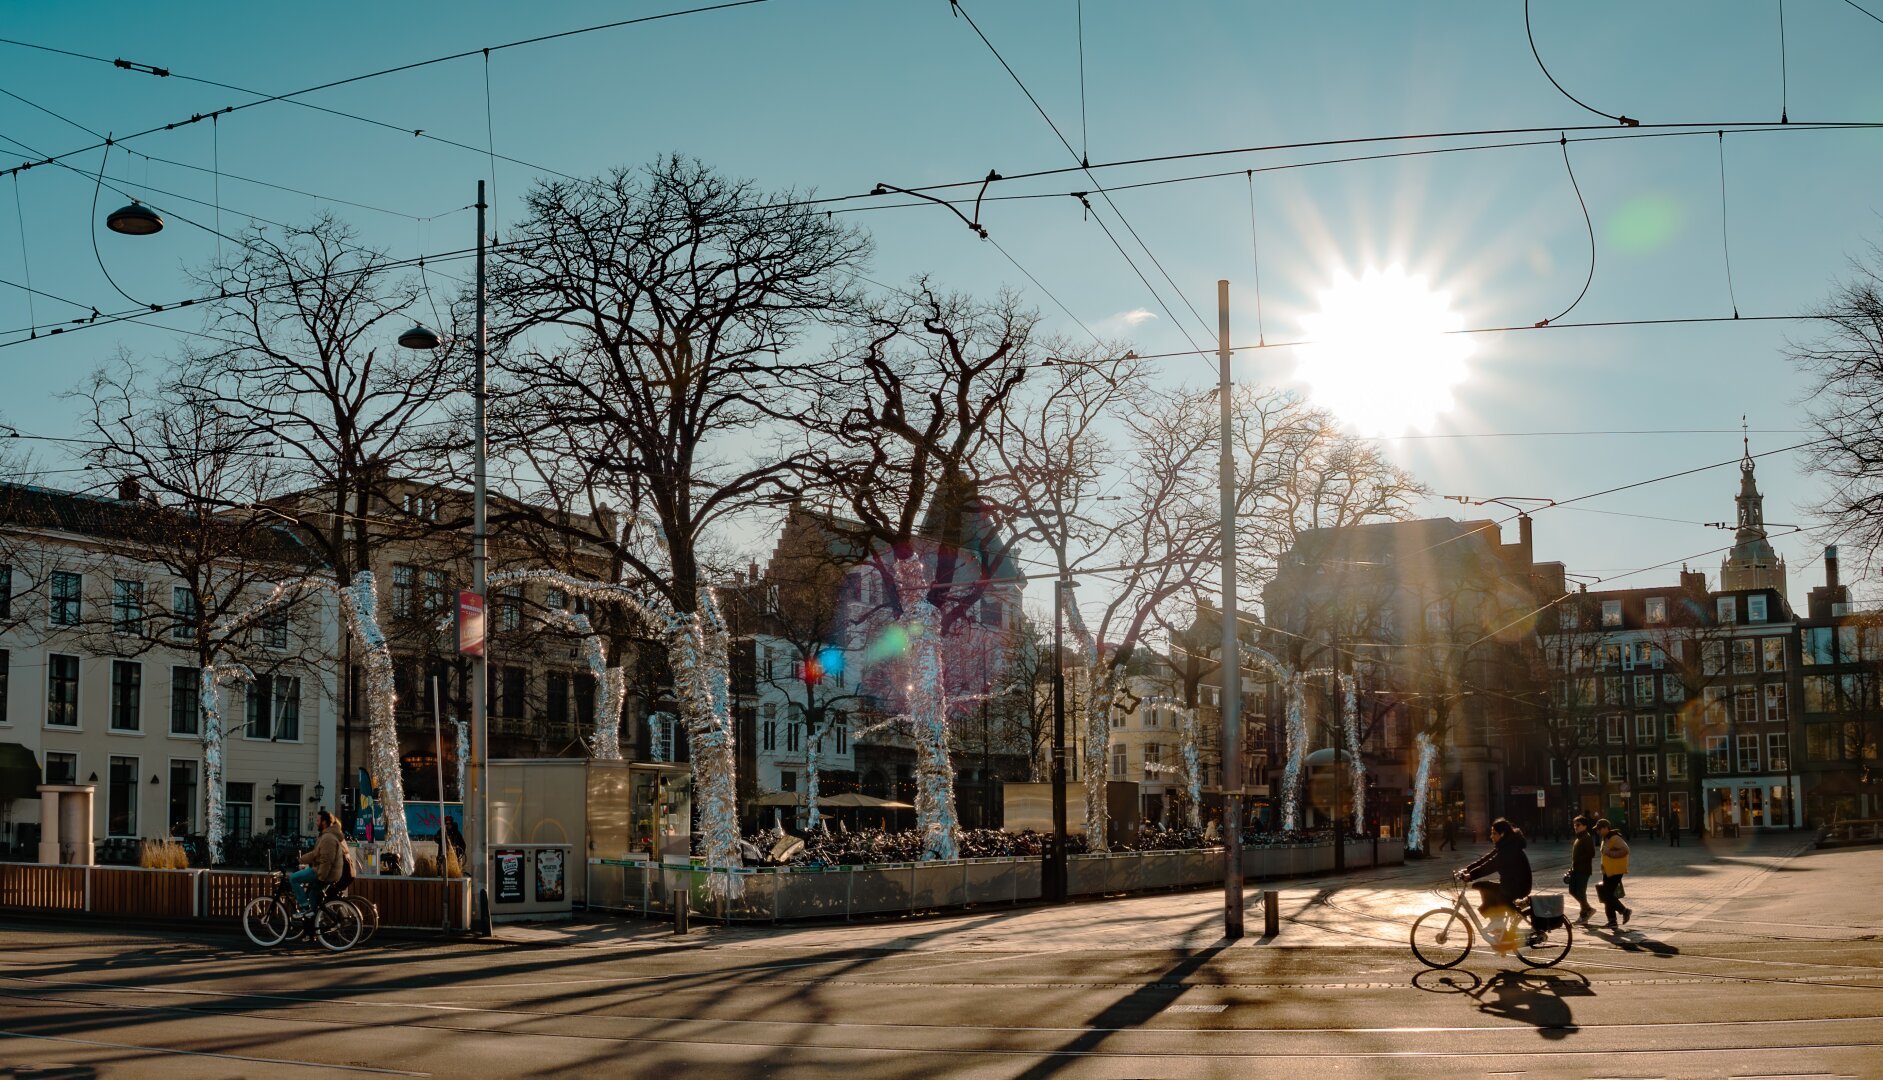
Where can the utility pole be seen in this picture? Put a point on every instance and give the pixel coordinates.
(1055, 884)
(1232, 642)
(476, 801)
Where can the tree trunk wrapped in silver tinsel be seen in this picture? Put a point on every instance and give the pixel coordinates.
(1350, 733)
(928, 716)
(657, 728)
(1101, 689)
(209, 698)
(611, 686)
(1421, 787)
(1295, 703)
(697, 651)
(360, 603)
(1187, 733)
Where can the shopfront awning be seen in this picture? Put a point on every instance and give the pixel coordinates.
(19, 772)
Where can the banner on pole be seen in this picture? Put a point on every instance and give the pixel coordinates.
(470, 623)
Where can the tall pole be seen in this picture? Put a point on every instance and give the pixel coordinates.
(1055, 889)
(1232, 642)
(476, 801)
(438, 754)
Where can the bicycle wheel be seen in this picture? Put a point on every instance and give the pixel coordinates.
(369, 917)
(265, 920)
(337, 926)
(1441, 938)
(1544, 948)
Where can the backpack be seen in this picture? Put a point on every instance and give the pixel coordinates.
(347, 870)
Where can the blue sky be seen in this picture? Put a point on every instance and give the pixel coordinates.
(837, 96)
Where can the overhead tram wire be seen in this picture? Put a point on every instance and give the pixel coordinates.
(1587, 223)
(1530, 33)
(1866, 11)
(1726, 249)
(955, 6)
(1080, 323)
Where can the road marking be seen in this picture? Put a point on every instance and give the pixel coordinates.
(1196, 1008)
(210, 1054)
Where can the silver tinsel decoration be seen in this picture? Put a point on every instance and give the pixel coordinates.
(611, 686)
(1295, 698)
(463, 730)
(1421, 785)
(360, 604)
(1350, 732)
(658, 724)
(1189, 766)
(928, 716)
(697, 651)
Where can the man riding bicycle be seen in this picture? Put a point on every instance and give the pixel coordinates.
(1497, 900)
(323, 864)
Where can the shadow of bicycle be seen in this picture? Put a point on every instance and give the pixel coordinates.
(1539, 999)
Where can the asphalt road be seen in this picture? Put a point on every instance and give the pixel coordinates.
(1754, 960)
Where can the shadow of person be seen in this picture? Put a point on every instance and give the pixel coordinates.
(1535, 999)
(1447, 981)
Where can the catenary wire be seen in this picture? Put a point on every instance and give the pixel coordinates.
(1784, 74)
(1530, 33)
(1866, 11)
(1587, 223)
(1726, 249)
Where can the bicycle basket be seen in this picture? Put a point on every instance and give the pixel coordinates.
(1546, 910)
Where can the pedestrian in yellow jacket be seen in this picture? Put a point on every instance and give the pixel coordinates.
(1614, 868)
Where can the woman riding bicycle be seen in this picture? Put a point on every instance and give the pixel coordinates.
(1497, 899)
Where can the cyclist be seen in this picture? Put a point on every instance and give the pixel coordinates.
(323, 864)
(1497, 899)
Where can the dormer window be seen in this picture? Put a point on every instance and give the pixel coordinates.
(1728, 612)
(1611, 613)
(1656, 610)
(1755, 609)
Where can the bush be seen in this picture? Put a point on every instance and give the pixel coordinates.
(162, 855)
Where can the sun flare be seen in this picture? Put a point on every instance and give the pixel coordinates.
(1384, 352)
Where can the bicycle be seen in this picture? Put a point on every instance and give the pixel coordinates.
(336, 922)
(1442, 937)
(369, 916)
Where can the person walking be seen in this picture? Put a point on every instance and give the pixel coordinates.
(1673, 828)
(1581, 865)
(1448, 834)
(1614, 868)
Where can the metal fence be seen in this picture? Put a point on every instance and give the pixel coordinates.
(782, 894)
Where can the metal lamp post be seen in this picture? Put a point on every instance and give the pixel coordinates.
(476, 800)
(1055, 884)
(1232, 641)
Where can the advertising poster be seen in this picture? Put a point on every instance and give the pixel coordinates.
(508, 864)
(549, 875)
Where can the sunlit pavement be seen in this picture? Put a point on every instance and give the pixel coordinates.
(1753, 957)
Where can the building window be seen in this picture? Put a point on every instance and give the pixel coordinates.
(1755, 609)
(1745, 656)
(61, 691)
(1774, 703)
(1817, 645)
(992, 613)
(512, 686)
(1656, 610)
(1671, 689)
(1715, 707)
(62, 604)
(1713, 658)
(1153, 754)
(843, 739)
(127, 695)
(1728, 611)
(584, 685)
(1774, 649)
(275, 630)
(1777, 751)
(1617, 767)
(6, 663)
(1647, 768)
(1566, 617)
(404, 603)
(1670, 727)
(510, 607)
(557, 599)
(1556, 771)
(1611, 690)
(186, 700)
(61, 768)
(1676, 766)
(793, 734)
(121, 798)
(6, 592)
(239, 804)
(1588, 770)
(274, 708)
(1748, 753)
(288, 809)
(787, 781)
(1120, 760)
(1645, 725)
(185, 611)
(1745, 705)
(183, 801)
(1618, 729)
(768, 735)
(1611, 613)
(1716, 762)
(127, 606)
(1644, 690)
(437, 592)
(558, 697)
(1438, 615)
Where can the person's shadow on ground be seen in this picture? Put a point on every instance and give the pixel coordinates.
(1534, 998)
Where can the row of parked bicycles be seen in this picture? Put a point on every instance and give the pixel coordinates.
(338, 921)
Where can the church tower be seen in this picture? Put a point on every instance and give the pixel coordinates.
(1751, 564)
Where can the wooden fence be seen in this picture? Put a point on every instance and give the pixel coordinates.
(210, 895)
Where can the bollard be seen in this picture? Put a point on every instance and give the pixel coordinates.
(1271, 913)
(681, 905)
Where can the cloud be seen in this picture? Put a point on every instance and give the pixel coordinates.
(1133, 317)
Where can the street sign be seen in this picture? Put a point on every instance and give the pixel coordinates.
(1539, 798)
(470, 624)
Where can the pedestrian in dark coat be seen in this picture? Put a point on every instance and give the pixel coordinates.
(1448, 834)
(1581, 865)
(1673, 828)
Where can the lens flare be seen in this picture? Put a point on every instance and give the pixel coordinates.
(1384, 352)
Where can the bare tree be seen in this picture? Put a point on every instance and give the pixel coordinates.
(1845, 401)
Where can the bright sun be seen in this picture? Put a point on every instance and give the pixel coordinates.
(1384, 352)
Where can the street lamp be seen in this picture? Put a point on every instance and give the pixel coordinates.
(476, 809)
(1232, 640)
(134, 220)
(1055, 884)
